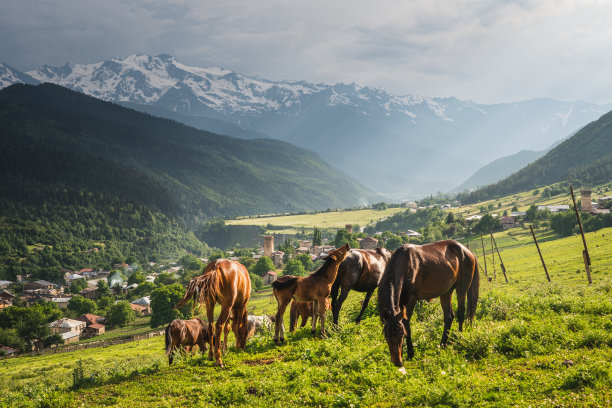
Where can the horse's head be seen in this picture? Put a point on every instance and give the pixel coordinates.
(339, 254)
(395, 332)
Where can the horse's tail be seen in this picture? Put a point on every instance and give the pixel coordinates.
(168, 339)
(202, 287)
(473, 291)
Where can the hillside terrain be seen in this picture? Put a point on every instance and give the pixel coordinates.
(584, 158)
(533, 343)
(399, 145)
(206, 174)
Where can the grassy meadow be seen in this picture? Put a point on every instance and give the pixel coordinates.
(533, 343)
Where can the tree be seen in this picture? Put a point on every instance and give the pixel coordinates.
(103, 289)
(136, 277)
(80, 306)
(450, 218)
(143, 289)
(316, 237)
(120, 314)
(306, 261)
(343, 237)
(165, 279)
(294, 267)
(163, 303)
(486, 224)
(263, 265)
(394, 242)
(105, 301)
(191, 263)
(32, 323)
(78, 285)
(256, 282)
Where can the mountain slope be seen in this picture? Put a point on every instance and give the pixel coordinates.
(207, 174)
(10, 75)
(585, 157)
(405, 143)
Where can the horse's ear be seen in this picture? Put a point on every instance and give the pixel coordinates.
(347, 247)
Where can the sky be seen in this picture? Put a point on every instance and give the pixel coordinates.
(485, 51)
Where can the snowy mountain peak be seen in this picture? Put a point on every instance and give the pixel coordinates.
(10, 76)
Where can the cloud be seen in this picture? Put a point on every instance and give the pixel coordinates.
(488, 51)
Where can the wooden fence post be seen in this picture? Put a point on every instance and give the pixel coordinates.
(484, 254)
(539, 252)
(493, 256)
(501, 262)
(585, 253)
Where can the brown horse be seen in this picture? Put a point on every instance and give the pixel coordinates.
(417, 272)
(185, 335)
(361, 270)
(227, 283)
(303, 310)
(312, 288)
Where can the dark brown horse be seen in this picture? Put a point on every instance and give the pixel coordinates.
(185, 335)
(361, 270)
(312, 288)
(417, 272)
(227, 283)
(303, 310)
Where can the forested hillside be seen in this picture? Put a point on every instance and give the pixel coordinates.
(584, 158)
(206, 174)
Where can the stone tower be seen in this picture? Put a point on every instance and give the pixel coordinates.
(585, 204)
(349, 228)
(268, 245)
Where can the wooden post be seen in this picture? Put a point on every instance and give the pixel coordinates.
(484, 254)
(539, 252)
(501, 263)
(493, 257)
(585, 253)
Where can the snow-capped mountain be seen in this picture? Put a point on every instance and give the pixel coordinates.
(10, 76)
(401, 145)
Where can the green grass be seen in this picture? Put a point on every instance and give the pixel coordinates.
(334, 219)
(533, 343)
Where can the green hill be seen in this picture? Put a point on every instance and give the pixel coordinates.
(585, 157)
(206, 174)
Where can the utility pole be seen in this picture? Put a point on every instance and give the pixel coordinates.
(501, 263)
(539, 252)
(585, 253)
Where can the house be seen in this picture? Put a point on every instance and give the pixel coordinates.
(303, 250)
(139, 310)
(554, 208)
(410, 204)
(516, 214)
(5, 284)
(7, 351)
(411, 233)
(277, 258)
(39, 284)
(69, 329)
(89, 293)
(445, 207)
(5, 303)
(6, 295)
(368, 243)
(72, 277)
(145, 303)
(269, 277)
(475, 217)
(304, 243)
(90, 319)
(507, 222)
(94, 327)
(62, 302)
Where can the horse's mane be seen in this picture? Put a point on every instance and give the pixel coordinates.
(203, 287)
(387, 287)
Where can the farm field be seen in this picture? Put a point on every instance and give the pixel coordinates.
(334, 219)
(533, 343)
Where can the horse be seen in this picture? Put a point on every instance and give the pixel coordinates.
(312, 288)
(185, 335)
(361, 270)
(417, 272)
(228, 283)
(258, 324)
(304, 310)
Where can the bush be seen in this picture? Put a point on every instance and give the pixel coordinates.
(120, 314)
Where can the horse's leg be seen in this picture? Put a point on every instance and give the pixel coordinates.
(322, 310)
(409, 309)
(344, 291)
(334, 300)
(445, 301)
(304, 319)
(461, 308)
(279, 330)
(366, 300)
(210, 315)
(219, 328)
(226, 330)
(315, 309)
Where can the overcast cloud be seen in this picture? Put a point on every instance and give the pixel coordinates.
(487, 51)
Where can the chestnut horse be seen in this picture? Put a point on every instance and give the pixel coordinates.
(361, 270)
(227, 283)
(185, 335)
(312, 288)
(303, 310)
(417, 272)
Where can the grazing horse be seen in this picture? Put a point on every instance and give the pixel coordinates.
(312, 288)
(225, 282)
(185, 335)
(417, 272)
(303, 310)
(361, 270)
